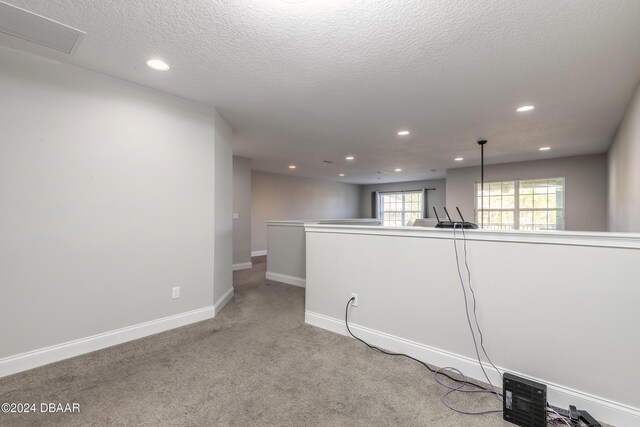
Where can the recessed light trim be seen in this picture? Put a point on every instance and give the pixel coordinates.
(525, 108)
(349, 158)
(158, 65)
(459, 159)
(544, 148)
(398, 170)
(404, 132)
(292, 166)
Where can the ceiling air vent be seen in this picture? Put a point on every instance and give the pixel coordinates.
(37, 29)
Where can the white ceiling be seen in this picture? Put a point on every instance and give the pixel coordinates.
(303, 83)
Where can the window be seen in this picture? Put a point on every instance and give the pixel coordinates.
(397, 208)
(533, 204)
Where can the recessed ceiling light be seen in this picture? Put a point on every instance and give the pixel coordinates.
(398, 170)
(349, 158)
(403, 133)
(525, 108)
(341, 174)
(292, 166)
(458, 159)
(544, 148)
(156, 64)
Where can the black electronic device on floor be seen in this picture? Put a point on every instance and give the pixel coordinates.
(587, 420)
(524, 402)
(451, 223)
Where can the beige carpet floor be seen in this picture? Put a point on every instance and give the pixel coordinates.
(256, 364)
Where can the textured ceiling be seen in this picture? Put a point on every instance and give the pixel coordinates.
(302, 83)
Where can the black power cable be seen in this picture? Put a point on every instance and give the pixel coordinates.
(389, 353)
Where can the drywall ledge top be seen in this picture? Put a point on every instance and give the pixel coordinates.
(301, 222)
(570, 238)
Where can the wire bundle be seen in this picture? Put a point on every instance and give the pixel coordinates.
(554, 421)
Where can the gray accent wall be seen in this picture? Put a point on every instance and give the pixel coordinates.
(624, 172)
(435, 198)
(111, 194)
(282, 197)
(241, 207)
(585, 186)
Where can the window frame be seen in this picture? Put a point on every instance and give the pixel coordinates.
(404, 211)
(516, 205)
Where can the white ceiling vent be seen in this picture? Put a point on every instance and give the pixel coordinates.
(37, 29)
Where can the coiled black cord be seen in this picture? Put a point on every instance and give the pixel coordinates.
(389, 353)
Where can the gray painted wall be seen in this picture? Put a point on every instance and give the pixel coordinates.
(107, 195)
(435, 198)
(286, 246)
(223, 209)
(280, 197)
(624, 172)
(585, 186)
(242, 207)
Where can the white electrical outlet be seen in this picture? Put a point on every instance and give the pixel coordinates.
(354, 303)
(175, 292)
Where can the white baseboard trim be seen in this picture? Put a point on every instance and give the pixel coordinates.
(602, 409)
(291, 280)
(44, 356)
(222, 301)
(242, 266)
(258, 253)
